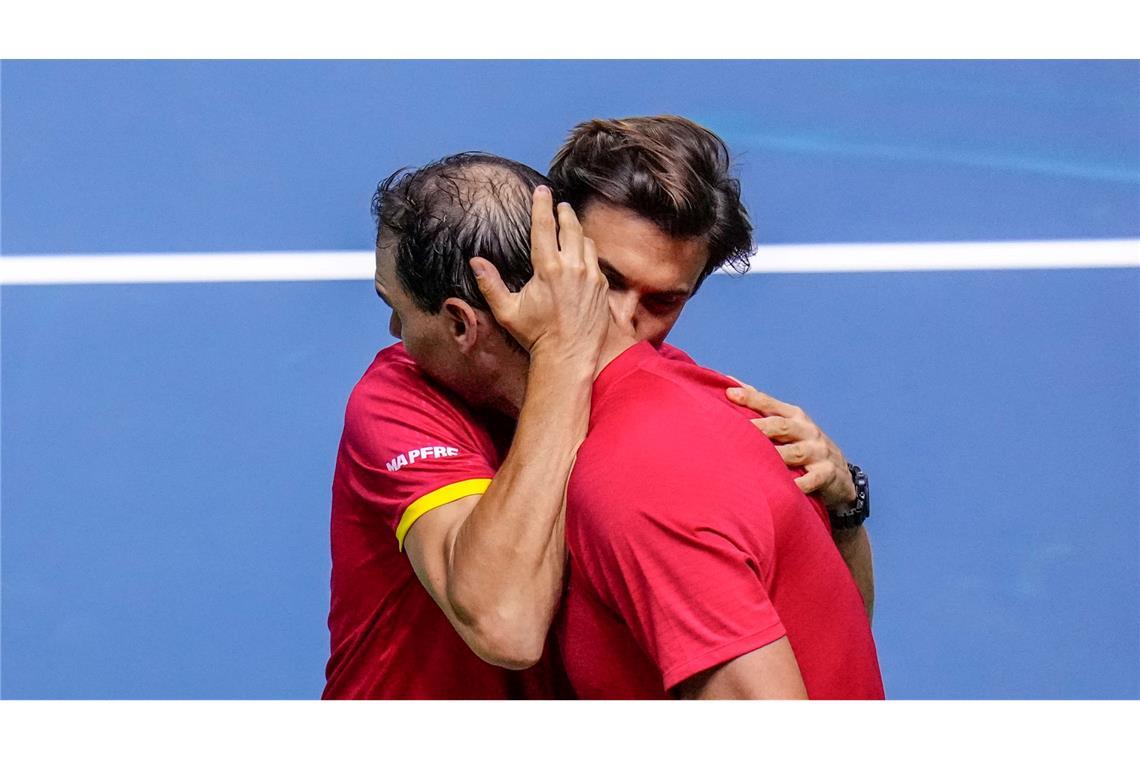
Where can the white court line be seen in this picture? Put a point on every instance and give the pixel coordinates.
(270, 266)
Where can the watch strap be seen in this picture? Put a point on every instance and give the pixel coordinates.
(854, 514)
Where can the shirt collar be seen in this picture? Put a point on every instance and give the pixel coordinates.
(621, 365)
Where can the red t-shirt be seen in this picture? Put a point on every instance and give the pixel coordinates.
(408, 446)
(691, 544)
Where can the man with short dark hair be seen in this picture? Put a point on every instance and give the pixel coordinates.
(448, 550)
(491, 562)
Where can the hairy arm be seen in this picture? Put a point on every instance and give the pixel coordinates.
(855, 547)
(494, 563)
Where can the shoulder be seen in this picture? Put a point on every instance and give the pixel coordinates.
(668, 351)
(667, 408)
(393, 378)
(397, 417)
(405, 437)
(394, 393)
(660, 444)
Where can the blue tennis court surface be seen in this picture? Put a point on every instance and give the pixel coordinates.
(168, 449)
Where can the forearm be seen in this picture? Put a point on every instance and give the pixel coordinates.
(855, 547)
(506, 561)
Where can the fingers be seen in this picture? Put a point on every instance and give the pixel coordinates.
(784, 429)
(812, 481)
(590, 254)
(802, 453)
(569, 230)
(492, 287)
(543, 235)
(828, 482)
(804, 445)
(757, 401)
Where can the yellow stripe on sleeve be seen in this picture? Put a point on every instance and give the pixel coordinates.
(438, 498)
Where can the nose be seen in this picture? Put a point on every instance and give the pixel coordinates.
(394, 326)
(623, 306)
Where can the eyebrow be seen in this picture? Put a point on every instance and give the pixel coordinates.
(616, 278)
(619, 280)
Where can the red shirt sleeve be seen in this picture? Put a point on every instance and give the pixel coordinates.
(674, 537)
(408, 447)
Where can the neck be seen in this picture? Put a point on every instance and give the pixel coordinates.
(508, 390)
(616, 344)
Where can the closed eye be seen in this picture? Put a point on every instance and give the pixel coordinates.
(664, 303)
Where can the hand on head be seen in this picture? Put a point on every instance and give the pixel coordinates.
(564, 308)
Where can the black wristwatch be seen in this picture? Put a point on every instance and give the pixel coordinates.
(853, 514)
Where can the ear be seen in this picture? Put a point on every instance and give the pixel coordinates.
(462, 323)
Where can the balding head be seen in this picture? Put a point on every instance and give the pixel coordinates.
(435, 219)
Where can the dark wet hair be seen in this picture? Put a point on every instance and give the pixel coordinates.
(442, 214)
(666, 169)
